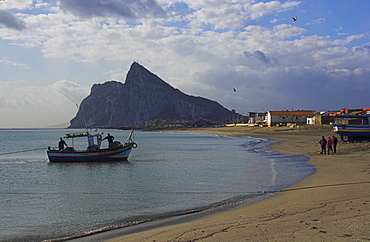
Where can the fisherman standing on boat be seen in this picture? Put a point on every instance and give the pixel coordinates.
(110, 139)
(61, 144)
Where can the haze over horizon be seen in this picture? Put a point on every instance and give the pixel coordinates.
(204, 48)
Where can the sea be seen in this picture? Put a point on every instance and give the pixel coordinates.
(168, 174)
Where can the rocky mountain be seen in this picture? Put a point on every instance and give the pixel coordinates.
(143, 97)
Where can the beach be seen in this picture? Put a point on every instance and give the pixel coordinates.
(331, 205)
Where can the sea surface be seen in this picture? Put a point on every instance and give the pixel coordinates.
(167, 174)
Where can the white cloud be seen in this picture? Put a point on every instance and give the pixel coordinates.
(260, 9)
(273, 21)
(17, 5)
(107, 8)
(8, 62)
(30, 106)
(230, 14)
(317, 21)
(204, 48)
(70, 90)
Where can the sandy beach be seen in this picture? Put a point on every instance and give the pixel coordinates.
(331, 205)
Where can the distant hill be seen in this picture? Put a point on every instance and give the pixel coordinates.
(143, 97)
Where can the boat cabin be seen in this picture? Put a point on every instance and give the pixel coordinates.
(352, 119)
(94, 140)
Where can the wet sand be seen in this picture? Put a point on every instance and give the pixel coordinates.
(331, 205)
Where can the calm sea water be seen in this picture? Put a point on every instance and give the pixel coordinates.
(167, 174)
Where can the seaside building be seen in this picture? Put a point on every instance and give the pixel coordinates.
(322, 119)
(289, 117)
(343, 116)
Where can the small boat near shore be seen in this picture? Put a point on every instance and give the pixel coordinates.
(116, 151)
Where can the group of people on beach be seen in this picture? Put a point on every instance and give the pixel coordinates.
(328, 145)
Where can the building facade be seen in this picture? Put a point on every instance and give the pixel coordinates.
(289, 117)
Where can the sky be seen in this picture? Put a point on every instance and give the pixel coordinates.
(52, 52)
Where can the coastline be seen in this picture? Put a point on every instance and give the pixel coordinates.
(332, 204)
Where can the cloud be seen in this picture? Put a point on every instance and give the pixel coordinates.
(18, 4)
(258, 60)
(257, 55)
(43, 106)
(7, 62)
(117, 8)
(284, 87)
(9, 20)
(203, 47)
(229, 14)
(317, 21)
(364, 49)
(70, 90)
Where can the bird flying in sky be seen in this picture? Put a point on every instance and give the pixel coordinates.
(294, 18)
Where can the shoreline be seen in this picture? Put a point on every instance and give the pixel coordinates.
(330, 205)
(178, 217)
(187, 216)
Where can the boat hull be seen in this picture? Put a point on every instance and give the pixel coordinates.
(101, 155)
(353, 133)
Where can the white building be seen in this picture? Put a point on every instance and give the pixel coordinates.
(285, 117)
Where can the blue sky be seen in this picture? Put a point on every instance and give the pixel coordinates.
(204, 48)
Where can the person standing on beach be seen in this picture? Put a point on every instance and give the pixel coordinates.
(329, 144)
(322, 143)
(335, 142)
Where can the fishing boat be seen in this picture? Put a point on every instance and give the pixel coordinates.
(353, 132)
(116, 151)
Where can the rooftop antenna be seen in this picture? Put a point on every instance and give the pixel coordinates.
(83, 117)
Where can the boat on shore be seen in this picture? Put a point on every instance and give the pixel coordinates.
(353, 132)
(116, 151)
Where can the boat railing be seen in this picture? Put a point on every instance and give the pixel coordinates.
(63, 150)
